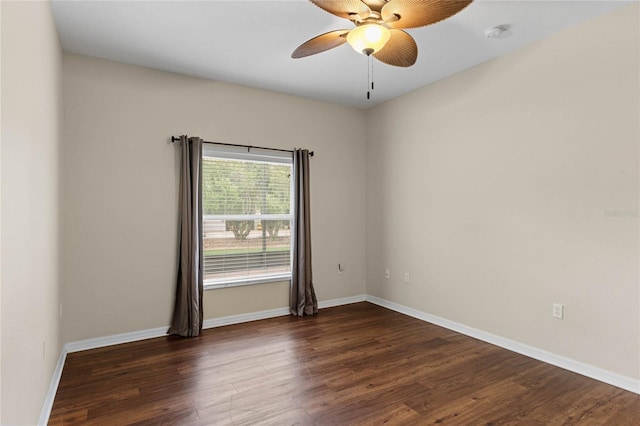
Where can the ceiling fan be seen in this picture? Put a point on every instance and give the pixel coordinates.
(379, 25)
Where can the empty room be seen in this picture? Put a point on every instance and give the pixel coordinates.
(320, 212)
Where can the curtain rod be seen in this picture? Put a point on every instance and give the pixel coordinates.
(175, 139)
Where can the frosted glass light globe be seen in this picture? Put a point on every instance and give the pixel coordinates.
(368, 38)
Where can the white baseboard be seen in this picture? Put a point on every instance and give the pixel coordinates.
(238, 319)
(115, 339)
(342, 301)
(53, 388)
(278, 312)
(134, 336)
(618, 380)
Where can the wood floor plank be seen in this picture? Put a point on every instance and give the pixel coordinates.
(357, 364)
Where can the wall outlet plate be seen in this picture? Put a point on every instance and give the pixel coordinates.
(558, 310)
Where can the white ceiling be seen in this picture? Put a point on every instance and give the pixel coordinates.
(250, 42)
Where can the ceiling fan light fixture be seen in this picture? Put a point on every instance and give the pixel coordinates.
(368, 38)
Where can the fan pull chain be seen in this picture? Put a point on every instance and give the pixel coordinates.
(369, 76)
(371, 65)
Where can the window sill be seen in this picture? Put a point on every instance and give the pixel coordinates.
(247, 281)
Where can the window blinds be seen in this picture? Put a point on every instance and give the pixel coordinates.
(247, 207)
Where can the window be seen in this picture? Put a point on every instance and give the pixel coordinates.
(246, 208)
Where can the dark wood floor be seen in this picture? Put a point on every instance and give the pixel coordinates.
(354, 364)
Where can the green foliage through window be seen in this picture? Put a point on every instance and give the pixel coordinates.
(245, 187)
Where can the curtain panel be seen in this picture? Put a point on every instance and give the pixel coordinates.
(187, 312)
(302, 299)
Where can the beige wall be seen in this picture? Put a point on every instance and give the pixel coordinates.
(495, 190)
(0, 214)
(120, 190)
(31, 122)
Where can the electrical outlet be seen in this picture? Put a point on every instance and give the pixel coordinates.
(340, 268)
(558, 310)
(407, 278)
(387, 273)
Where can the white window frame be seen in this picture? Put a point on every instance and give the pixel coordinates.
(260, 155)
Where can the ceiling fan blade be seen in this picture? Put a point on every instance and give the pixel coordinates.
(321, 43)
(418, 13)
(344, 8)
(401, 50)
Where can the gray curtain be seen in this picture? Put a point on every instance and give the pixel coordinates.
(302, 300)
(187, 312)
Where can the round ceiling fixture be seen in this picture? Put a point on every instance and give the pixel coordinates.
(368, 38)
(496, 32)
